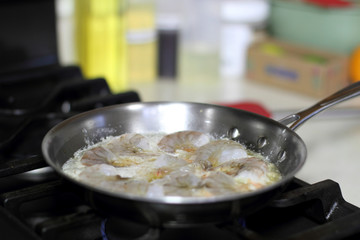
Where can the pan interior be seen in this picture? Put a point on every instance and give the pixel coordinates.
(268, 137)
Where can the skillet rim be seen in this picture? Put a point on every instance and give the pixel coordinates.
(169, 199)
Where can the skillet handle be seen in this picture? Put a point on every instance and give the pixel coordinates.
(302, 116)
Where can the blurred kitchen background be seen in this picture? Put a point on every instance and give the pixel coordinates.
(300, 45)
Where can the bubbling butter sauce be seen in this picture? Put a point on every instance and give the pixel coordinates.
(183, 164)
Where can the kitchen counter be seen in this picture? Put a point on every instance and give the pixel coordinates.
(332, 137)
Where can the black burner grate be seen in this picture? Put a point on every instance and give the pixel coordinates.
(56, 210)
(51, 96)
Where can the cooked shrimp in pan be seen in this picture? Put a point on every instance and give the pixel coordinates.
(169, 162)
(218, 183)
(99, 175)
(188, 141)
(125, 150)
(257, 173)
(184, 164)
(250, 172)
(97, 155)
(236, 166)
(108, 177)
(218, 152)
(99, 172)
(165, 164)
(180, 183)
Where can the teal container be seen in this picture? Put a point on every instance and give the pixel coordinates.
(333, 29)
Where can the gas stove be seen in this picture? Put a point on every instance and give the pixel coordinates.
(36, 93)
(35, 203)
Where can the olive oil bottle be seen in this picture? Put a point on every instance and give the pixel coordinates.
(141, 40)
(100, 40)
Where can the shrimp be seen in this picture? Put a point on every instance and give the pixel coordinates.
(99, 172)
(187, 141)
(217, 183)
(125, 150)
(96, 155)
(107, 177)
(251, 172)
(165, 164)
(256, 173)
(235, 166)
(135, 143)
(177, 183)
(183, 179)
(169, 162)
(100, 175)
(131, 144)
(182, 184)
(218, 152)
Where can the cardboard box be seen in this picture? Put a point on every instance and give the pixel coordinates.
(297, 68)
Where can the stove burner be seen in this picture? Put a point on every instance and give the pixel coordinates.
(112, 229)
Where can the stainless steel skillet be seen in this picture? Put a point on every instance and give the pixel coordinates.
(272, 138)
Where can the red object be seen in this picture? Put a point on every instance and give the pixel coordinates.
(249, 106)
(330, 3)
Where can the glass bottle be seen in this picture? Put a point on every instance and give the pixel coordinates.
(100, 40)
(140, 38)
